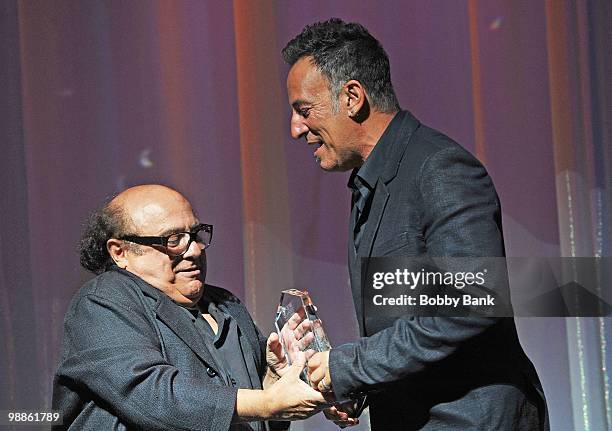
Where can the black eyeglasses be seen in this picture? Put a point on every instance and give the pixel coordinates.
(178, 243)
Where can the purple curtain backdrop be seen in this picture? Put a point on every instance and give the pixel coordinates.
(101, 95)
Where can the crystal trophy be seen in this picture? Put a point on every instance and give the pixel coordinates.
(299, 327)
(297, 314)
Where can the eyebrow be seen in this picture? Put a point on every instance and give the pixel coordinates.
(174, 230)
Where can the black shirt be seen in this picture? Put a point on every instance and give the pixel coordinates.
(227, 348)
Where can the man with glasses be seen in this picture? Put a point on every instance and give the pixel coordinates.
(148, 345)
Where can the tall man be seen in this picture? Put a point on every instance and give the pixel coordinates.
(415, 193)
(148, 345)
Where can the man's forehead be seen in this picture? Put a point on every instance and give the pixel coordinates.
(150, 215)
(305, 81)
(304, 70)
(154, 222)
(154, 210)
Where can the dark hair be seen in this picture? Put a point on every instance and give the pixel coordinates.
(108, 221)
(344, 51)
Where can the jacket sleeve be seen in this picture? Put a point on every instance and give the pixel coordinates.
(113, 353)
(460, 217)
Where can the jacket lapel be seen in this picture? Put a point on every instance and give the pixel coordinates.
(175, 319)
(180, 323)
(248, 341)
(250, 337)
(393, 146)
(388, 156)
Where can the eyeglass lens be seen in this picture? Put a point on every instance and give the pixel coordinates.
(179, 243)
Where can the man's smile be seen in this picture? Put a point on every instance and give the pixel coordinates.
(318, 144)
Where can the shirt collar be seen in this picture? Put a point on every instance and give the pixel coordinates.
(364, 177)
(205, 305)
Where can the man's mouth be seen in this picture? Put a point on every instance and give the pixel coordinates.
(318, 145)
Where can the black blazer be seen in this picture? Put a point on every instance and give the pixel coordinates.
(433, 198)
(132, 359)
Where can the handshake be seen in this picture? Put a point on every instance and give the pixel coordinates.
(297, 384)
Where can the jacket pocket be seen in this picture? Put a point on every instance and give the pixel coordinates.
(388, 246)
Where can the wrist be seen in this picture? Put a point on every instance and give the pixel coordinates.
(267, 404)
(253, 405)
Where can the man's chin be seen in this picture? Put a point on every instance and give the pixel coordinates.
(334, 165)
(326, 165)
(193, 291)
(332, 168)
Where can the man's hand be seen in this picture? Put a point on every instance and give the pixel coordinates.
(292, 399)
(287, 399)
(342, 418)
(318, 372)
(277, 362)
(296, 337)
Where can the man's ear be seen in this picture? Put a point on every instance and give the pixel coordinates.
(355, 97)
(117, 250)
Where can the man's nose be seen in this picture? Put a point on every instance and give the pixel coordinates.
(194, 250)
(298, 127)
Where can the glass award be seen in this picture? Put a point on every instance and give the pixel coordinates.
(298, 326)
(297, 314)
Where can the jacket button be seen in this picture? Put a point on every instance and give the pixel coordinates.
(210, 372)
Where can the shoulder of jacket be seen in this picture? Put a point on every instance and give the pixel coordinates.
(113, 287)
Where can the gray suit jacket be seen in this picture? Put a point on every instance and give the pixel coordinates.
(433, 198)
(132, 359)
